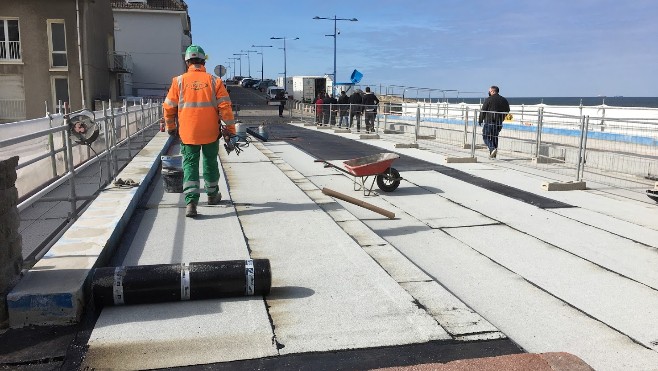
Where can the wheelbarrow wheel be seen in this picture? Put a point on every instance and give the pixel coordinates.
(389, 180)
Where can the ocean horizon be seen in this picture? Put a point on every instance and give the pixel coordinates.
(617, 101)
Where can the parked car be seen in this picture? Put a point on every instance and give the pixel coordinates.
(264, 84)
(248, 82)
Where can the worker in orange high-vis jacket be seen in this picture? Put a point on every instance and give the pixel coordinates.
(195, 103)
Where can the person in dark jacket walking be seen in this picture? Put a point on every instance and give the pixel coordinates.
(370, 103)
(281, 98)
(329, 110)
(343, 108)
(356, 108)
(494, 110)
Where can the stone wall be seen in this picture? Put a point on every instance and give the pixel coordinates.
(11, 251)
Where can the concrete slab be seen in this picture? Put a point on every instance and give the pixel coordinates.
(466, 327)
(536, 320)
(624, 305)
(459, 320)
(612, 224)
(616, 253)
(188, 333)
(343, 299)
(361, 233)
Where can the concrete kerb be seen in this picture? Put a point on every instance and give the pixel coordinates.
(461, 160)
(564, 186)
(53, 291)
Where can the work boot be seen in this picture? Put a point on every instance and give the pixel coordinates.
(190, 210)
(214, 199)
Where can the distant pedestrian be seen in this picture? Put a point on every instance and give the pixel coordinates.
(370, 103)
(355, 109)
(318, 108)
(281, 98)
(329, 109)
(494, 110)
(343, 108)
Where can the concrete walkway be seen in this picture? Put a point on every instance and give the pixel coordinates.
(464, 270)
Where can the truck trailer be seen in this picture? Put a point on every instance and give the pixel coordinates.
(306, 88)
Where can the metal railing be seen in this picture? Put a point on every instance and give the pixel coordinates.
(49, 157)
(615, 146)
(120, 62)
(10, 50)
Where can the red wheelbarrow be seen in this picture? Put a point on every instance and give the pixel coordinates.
(377, 166)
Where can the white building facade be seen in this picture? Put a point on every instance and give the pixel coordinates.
(155, 34)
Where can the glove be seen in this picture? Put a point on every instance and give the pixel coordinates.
(172, 132)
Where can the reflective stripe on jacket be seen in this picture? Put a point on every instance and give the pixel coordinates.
(196, 99)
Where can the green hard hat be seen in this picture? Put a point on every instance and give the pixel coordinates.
(194, 51)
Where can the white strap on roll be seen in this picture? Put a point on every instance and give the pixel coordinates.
(117, 289)
(249, 272)
(184, 282)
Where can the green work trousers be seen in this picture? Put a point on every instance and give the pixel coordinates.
(191, 184)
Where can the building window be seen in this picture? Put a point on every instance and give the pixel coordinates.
(57, 44)
(10, 41)
(60, 90)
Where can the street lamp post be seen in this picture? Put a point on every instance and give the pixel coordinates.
(248, 58)
(234, 59)
(240, 59)
(262, 58)
(285, 76)
(333, 85)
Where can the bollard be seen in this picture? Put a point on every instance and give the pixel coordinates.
(176, 282)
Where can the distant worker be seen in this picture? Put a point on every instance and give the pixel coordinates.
(326, 109)
(330, 109)
(343, 108)
(494, 110)
(197, 101)
(281, 98)
(355, 109)
(318, 108)
(370, 103)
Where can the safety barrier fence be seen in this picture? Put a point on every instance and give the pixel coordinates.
(49, 157)
(616, 146)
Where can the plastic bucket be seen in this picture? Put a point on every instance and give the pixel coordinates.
(172, 180)
(241, 131)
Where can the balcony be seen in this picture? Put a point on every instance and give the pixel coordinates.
(12, 110)
(120, 62)
(10, 51)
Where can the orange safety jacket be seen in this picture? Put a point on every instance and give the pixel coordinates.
(198, 100)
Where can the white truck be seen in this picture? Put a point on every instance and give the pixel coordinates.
(306, 88)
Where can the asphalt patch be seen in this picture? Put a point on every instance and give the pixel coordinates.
(332, 147)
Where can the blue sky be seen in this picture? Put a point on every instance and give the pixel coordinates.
(537, 48)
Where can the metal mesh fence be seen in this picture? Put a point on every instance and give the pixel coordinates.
(598, 144)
